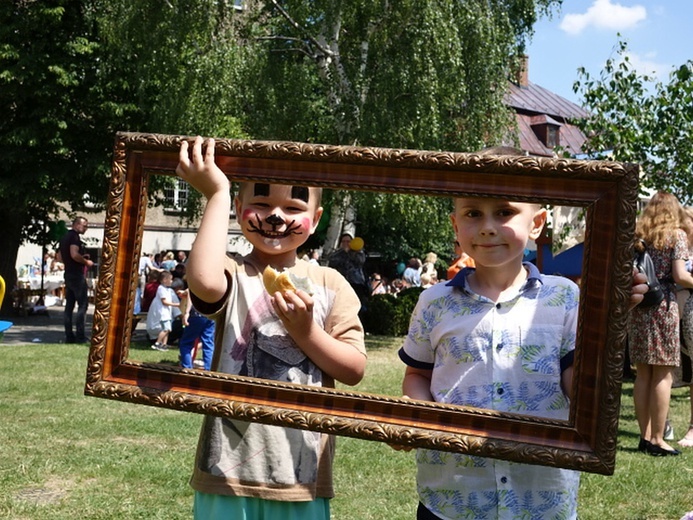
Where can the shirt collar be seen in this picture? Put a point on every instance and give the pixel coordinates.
(534, 276)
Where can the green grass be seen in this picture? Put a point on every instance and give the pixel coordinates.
(67, 456)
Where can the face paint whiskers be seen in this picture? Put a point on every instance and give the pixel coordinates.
(272, 236)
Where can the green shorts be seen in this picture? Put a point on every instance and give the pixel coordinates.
(223, 507)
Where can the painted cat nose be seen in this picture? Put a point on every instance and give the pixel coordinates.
(274, 220)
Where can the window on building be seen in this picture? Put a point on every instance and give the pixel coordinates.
(176, 195)
(552, 136)
(547, 130)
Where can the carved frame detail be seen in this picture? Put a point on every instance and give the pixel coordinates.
(586, 442)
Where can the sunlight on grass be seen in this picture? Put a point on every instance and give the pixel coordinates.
(65, 456)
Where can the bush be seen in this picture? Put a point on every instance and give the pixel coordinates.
(389, 315)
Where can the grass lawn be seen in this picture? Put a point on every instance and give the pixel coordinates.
(66, 456)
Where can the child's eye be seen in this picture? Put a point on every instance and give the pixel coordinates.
(507, 212)
(472, 213)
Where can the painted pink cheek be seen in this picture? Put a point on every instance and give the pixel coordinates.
(248, 214)
(306, 224)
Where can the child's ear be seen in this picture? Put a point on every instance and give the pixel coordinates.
(454, 223)
(538, 223)
(316, 219)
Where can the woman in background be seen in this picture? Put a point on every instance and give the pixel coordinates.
(686, 307)
(653, 332)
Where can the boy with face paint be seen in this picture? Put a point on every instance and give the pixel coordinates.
(249, 470)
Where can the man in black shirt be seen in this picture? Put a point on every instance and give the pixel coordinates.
(76, 263)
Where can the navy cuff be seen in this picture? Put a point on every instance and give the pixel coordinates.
(567, 361)
(410, 361)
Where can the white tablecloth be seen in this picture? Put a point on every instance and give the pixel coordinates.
(50, 282)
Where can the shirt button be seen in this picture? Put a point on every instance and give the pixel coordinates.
(504, 480)
(498, 306)
(500, 391)
(499, 346)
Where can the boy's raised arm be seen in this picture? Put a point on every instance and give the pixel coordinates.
(205, 265)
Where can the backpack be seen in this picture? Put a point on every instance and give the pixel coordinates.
(643, 263)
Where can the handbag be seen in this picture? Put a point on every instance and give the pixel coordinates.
(643, 263)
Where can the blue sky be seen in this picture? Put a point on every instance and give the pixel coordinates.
(584, 33)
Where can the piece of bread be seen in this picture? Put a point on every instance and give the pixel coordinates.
(275, 281)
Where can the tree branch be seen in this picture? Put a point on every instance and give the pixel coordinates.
(325, 50)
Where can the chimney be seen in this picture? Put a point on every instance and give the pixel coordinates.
(523, 71)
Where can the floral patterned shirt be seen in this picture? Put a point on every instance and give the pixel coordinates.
(506, 356)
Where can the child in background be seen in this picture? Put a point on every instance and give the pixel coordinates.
(196, 328)
(248, 470)
(149, 292)
(160, 314)
(461, 261)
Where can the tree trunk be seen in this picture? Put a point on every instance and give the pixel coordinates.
(342, 221)
(10, 240)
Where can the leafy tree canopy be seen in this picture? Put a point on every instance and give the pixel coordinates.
(638, 119)
(71, 75)
(412, 74)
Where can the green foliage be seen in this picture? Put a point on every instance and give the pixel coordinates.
(412, 74)
(73, 72)
(415, 74)
(379, 313)
(52, 132)
(182, 62)
(389, 315)
(405, 226)
(56, 129)
(637, 119)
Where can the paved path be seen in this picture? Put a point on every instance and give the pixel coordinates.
(40, 328)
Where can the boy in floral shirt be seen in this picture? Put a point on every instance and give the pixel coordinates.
(501, 337)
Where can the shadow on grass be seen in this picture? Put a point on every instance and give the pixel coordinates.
(375, 343)
(140, 345)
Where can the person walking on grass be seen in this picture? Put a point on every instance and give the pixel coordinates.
(653, 332)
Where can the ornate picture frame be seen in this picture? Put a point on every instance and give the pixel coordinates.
(587, 441)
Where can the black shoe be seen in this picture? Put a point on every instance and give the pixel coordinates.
(644, 445)
(657, 451)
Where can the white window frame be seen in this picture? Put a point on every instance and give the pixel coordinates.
(176, 197)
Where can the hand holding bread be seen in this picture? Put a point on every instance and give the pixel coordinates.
(275, 281)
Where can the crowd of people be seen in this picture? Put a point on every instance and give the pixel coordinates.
(163, 295)
(349, 259)
(660, 338)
